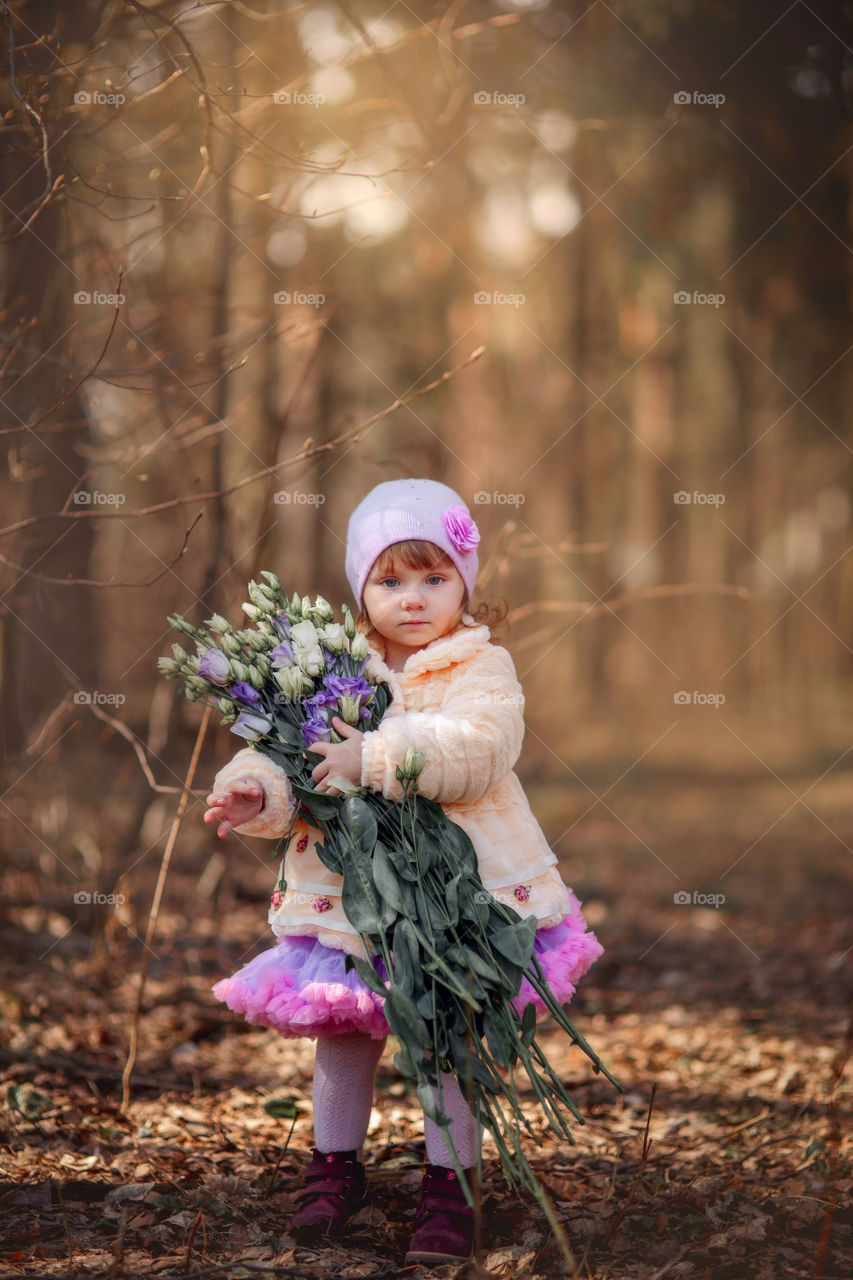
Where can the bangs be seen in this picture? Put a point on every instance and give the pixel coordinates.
(412, 554)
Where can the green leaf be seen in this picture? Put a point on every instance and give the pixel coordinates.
(452, 898)
(404, 1019)
(358, 899)
(281, 1108)
(515, 941)
(392, 889)
(321, 806)
(289, 733)
(400, 863)
(407, 960)
(366, 972)
(360, 822)
(528, 1025)
(429, 1104)
(403, 1063)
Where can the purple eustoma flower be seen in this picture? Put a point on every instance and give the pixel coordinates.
(348, 687)
(315, 731)
(215, 666)
(317, 708)
(245, 693)
(281, 655)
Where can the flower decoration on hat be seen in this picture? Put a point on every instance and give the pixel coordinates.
(461, 529)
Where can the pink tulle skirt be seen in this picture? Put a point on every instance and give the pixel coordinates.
(301, 987)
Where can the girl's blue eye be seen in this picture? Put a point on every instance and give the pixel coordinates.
(435, 577)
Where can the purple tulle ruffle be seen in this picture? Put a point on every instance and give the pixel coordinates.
(301, 988)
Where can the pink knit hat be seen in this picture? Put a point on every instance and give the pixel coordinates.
(398, 510)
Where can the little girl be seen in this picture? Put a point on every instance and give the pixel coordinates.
(411, 561)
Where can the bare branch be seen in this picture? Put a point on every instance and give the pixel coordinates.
(96, 582)
(306, 452)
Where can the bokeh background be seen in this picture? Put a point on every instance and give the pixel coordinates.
(589, 263)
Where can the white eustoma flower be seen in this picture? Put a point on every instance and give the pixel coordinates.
(334, 637)
(306, 648)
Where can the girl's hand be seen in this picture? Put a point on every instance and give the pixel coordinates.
(239, 804)
(340, 759)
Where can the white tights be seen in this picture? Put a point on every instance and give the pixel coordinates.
(344, 1071)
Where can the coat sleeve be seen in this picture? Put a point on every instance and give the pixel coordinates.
(469, 745)
(279, 803)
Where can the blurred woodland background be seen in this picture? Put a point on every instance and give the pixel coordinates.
(587, 262)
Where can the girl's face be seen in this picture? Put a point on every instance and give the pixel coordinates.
(412, 607)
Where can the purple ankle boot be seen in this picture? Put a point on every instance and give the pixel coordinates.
(444, 1225)
(334, 1189)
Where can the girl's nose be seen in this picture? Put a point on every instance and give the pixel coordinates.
(412, 599)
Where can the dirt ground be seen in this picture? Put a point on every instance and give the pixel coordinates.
(728, 1156)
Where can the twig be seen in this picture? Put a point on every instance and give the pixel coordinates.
(31, 426)
(626, 598)
(268, 1191)
(96, 582)
(76, 1066)
(118, 1247)
(155, 909)
(305, 452)
(122, 728)
(193, 1229)
(65, 1224)
(838, 1067)
(614, 1226)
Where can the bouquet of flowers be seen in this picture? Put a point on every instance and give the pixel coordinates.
(446, 956)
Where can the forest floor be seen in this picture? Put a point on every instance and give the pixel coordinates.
(728, 1156)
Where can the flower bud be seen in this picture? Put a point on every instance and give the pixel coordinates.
(218, 624)
(239, 670)
(179, 623)
(350, 709)
(290, 682)
(359, 648)
(263, 667)
(168, 667)
(349, 622)
(272, 579)
(251, 611)
(231, 645)
(255, 678)
(180, 654)
(413, 763)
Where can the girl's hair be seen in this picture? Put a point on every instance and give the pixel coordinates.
(415, 554)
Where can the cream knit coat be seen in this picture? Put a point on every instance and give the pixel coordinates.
(459, 702)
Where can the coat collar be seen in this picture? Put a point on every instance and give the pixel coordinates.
(463, 643)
